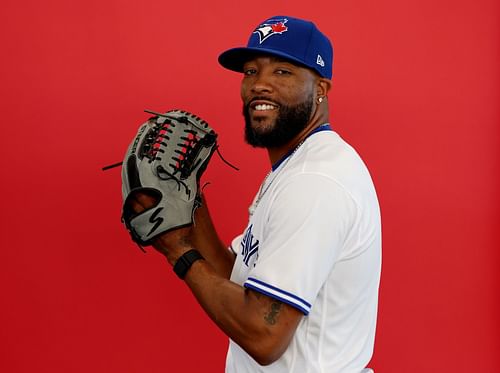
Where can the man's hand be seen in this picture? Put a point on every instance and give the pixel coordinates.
(172, 244)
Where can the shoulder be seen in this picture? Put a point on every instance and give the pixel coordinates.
(326, 160)
(326, 153)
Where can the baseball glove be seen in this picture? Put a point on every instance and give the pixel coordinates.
(165, 161)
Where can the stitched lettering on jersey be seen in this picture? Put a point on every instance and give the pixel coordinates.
(249, 246)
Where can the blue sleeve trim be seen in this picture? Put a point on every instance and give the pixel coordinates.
(276, 293)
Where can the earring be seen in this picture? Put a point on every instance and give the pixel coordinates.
(320, 100)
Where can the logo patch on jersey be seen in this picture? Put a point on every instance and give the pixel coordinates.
(249, 246)
(273, 27)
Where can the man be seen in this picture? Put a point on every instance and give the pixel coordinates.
(298, 290)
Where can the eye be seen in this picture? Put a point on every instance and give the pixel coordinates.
(249, 71)
(283, 72)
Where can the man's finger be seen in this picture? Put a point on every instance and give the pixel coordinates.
(141, 202)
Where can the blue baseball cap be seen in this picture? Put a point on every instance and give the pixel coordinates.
(293, 39)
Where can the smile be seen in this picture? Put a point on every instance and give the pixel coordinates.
(262, 107)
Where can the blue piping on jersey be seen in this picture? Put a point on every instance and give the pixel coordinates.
(323, 127)
(274, 296)
(299, 304)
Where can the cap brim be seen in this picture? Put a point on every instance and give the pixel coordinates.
(234, 59)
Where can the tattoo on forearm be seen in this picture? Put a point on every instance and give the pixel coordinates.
(271, 316)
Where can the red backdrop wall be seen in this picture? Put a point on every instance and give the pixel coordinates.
(416, 91)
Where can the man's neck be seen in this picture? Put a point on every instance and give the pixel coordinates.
(275, 154)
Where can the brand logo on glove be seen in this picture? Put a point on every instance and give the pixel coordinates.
(157, 220)
(136, 140)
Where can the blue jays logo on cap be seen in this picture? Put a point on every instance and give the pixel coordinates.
(270, 28)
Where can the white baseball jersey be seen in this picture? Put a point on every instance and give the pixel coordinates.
(314, 242)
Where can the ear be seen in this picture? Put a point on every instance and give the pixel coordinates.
(323, 87)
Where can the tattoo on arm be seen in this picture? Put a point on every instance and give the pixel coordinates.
(271, 316)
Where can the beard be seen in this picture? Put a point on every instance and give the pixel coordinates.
(291, 120)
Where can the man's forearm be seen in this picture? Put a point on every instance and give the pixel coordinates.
(262, 326)
(206, 240)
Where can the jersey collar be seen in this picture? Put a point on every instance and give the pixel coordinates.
(323, 127)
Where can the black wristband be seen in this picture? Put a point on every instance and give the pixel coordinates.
(185, 262)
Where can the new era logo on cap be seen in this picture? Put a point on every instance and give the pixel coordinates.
(320, 61)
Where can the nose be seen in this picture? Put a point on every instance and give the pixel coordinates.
(261, 84)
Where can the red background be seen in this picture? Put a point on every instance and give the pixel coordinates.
(416, 91)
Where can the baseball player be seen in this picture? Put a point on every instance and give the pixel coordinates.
(298, 289)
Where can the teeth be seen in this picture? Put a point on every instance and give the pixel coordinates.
(264, 107)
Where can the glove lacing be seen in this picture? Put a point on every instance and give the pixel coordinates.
(181, 162)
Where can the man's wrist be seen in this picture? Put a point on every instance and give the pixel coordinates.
(174, 244)
(185, 261)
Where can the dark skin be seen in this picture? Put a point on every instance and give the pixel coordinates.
(244, 315)
(277, 81)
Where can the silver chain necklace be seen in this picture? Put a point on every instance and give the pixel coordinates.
(262, 190)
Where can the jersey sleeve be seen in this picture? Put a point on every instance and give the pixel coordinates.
(308, 222)
(235, 243)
